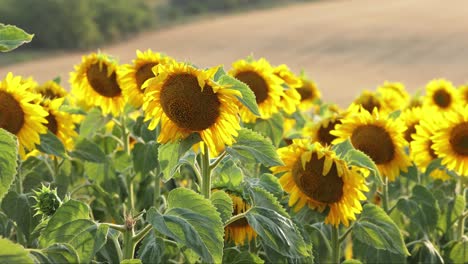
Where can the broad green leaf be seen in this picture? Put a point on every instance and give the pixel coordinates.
(425, 252)
(110, 252)
(320, 241)
(456, 208)
(195, 224)
(376, 229)
(187, 143)
(233, 256)
(223, 203)
(435, 164)
(19, 209)
(61, 253)
(35, 171)
(8, 156)
(253, 147)
(87, 150)
(343, 148)
(271, 128)
(93, 122)
(273, 225)
(168, 156)
(228, 173)
(145, 157)
(219, 73)
(141, 130)
(360, 159)
(12, 37)
(13, 253)
(70, 224)
(247, 98)
(151, 249)
(459, 252)
(268, 182)
(130, 261)
(50, 144)
(368, 254)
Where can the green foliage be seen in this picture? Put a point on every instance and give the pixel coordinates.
(13, 253)
(57, 253)
(233, 256)
(12, 37)
(223, 203)
(195, 224)
(18, 207)
(247, 97)
(271, 128)
(50, 144)
(87, 150)
(8, 165)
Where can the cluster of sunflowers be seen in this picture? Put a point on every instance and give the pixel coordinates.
(394, 130)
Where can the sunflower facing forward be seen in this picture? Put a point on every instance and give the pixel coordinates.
(320, 131)
(19, 114)
(440, 95)
(51, 90)
(186, 100)
(132, 76)
(377, 136)
(239, 231)
(94, 83)
(60, 123)
(266, 86)
(451, 140)
(315, 176)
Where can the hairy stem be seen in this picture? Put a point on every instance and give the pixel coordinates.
(206, 173)
(335, 245)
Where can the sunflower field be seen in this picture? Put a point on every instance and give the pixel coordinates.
(160, 161)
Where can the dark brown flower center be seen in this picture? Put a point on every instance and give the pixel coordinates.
(370, 103)
(430, 150)
(256, 83)
(410, 131)
(325, 189)
(187, 105)
(239, 209)
(144, 73)
(50, 94)
(11, 113)
(459, 139)
(375, 142)
(442, 98)
(52, 125)
(103, 84)
(324, 135)
(306, 92)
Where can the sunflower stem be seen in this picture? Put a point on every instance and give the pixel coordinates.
(218, 160)
(335, 244)
(206, 172)
(343, 236)
(128, 243)
(138, 237)
(157, 187)
(236, 217)
(461, 219)
(385, 195)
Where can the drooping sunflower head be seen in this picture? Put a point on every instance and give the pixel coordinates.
(440, 95)
(451, 140)
(132, 76)
(95, 83)
(393, 95)
(291, 98)
(19, 112)
(411, 117)
(51, 90)
(377, 136)
(309, 94)
(186, 100)
(370, 100)
(239, 232)
(320, 131)
(463, 93)
(264, 83)
(313, 175)
(60, 123)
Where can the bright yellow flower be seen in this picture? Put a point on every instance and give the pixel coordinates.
(309, 94)
(320, 131)
(393, 95)
(441, 95)
(239, 231)
(51, 90)
(60, 123)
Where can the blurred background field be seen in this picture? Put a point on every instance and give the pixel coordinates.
(345, 46)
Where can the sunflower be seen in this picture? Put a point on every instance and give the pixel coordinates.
(19, 115)
(320, 131)
(291, 98)
(94, 83)
(377, 136)
(132, 76)
(370, 100)
(315, 176)
(411, 117)
(393, 95)
(309, 94)
(239, 231)
(422, 152)
(60, 123)
(451, 140)
(51, 90)
(440, 95)
(266, 86)
(186, 100)
(463, 93)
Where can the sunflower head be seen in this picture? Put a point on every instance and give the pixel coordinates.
(440, 95)
(370, 100)
(393, 95)
(132, 76)
(463, 93)
(411, 118)
(95, 83)
(19, 112)
(51, 90)
(239, 231)
(377, 136)
(264, 83)
(47, 201)
(309, 94)
(313, 175)
(320, 131)
(60, 123)
(422, 152)
(451, 140)
(186, 100)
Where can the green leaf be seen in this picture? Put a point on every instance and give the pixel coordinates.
(369, 254)
(61, 253)
(271, 128)
(233, 256)
(19, 209)
(253, 147)
(130, 261)
(228, 173)
(320, 241)
(394, 114)
(168, 156)
(13, 253)
(35, 171)
(248, 96)
(50, 144)
(8, 165)
(93, 122)
(151, 249)
(140, 129)
(455, 210)
(270, 183)
(343, 148)
(195, 224)
(145, 157)
(273, 225)
(70, 224)
(223, 203)
(376, 229)
(360, 159)
(459, 252)
(12, 37)
(187, 143)
(435, 164)
(88, 151)
(425, 252)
